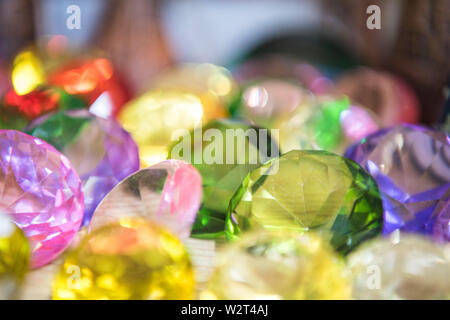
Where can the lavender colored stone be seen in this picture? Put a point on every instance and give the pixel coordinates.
(411, 165)
(101, 151)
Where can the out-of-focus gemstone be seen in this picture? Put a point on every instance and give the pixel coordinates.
(157, 119)
(279, 265)
(213, 85)
(324, 123)
(129, 259)
(168, 193)
(411, 165)
(91, 78)
(410, 267)
(42, 193)
(309, 190)
(27, 72)
(389, 97)
(14, 257)
(224, 152)
(262, 102)
(101, 151)
(34, 104)
(282, 67)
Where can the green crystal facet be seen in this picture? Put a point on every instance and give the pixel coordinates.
(309, 190)
(59, 129)
(232, 162)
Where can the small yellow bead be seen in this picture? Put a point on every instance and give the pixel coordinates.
(132, 260)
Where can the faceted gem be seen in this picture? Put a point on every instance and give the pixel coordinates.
(42, 193)
(168, 193)
(389, 97)
(101, 151)
(155, 118)
(411, 267)
(411, 165)
(90, 78)
(324, 123)
(279, 265)
(14, 257)
(27, 72)
(17, 110)
(262, 102)
(309, 190)
(224, 152)
(213, 85)
(130, 259)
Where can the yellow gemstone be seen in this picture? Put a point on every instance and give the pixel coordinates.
(130, 259)
(214, 85)
(158, 118)
(14, 257)
(27, 72)
(404, 266)
(275, 265)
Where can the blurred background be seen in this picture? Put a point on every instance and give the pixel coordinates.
(144, 37)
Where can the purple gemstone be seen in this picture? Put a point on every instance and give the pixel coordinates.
(103, 154)
(411, 165)
(100, 150)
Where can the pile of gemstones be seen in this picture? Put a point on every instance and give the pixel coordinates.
(305, 188)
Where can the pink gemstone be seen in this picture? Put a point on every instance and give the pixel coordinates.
(41, 191)
(168, 193)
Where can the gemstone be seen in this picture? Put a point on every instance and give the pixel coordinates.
(27, 72)
(214, 85)
(279, 265)
(324, 123)
(411, 165)
(17, 110)
(100, 150)
(404, 267)
(14, 257)
(309, 191)
(283, 67)
(42, 193)
(168, 193)
(129, 259)
(154, 119)
(90, 78)
(388, 96)
(224, 152)
(263, 101)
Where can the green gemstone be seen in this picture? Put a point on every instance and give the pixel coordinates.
(234, 157)
(309, 190)
(59, 129)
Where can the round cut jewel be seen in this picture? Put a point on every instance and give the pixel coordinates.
(224, 152)
(309, 190)
(409, 267)
(168, 193)
(411, 165)
(42, 193)
(279, 265)
(101, 151)
(130, 259)
(14, 256)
